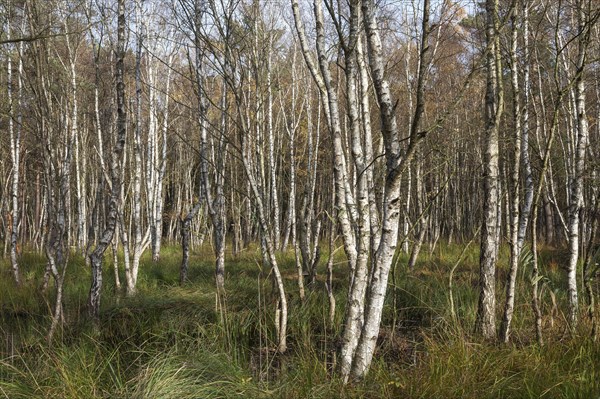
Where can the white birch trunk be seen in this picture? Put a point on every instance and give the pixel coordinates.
(116, 173)
(369, 161)
(528, 175)
(15, 155)
(152, 154)
(486, 311)
(140, 242)
(321, 75)
(513, 189)
(268, 249)
(576, 192)
(162, 169)
(271, 144)
(396, 161)
(356, 299)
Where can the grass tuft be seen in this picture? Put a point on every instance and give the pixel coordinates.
(169, 341)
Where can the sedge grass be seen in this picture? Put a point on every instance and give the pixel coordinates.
(172, 342)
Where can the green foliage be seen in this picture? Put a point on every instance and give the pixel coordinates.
(173, 342)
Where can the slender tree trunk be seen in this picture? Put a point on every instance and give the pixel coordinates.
(56, 250)
(140, 241)
(15, 153)
(513, 215)
(212, 190)
(152, 154)
(158, 199)
(116, 174)
(301, 251)
(486, 311)
(588, 272)
(185, 230)
(576, 193)
(329, 281)
(535, 275)
(525, 211)
(406, 225)
(268, 248)
(271, 144)
(80, 170)
(396, 163)
(422, 217)
(291, 124)
(321, 75)
(369, 161)
(115, 254)
(356, 243)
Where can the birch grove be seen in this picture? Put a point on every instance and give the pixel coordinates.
(340, 146)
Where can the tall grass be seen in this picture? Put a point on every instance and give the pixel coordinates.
(172, 342)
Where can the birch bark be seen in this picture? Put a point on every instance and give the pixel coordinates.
(513, 215)
(140, 238)
(162, 169)
(15, 153)
(116, 173)
(576, 192)
(486, 310)
(396, 161)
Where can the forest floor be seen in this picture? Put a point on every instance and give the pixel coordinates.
(170, 342)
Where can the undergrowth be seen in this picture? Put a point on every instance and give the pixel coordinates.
(172, 342)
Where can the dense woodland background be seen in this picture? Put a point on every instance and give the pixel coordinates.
(220, 198)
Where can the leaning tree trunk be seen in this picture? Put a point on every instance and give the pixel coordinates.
(396, 163)
(268, 247)
(357, 237)
(319, 72)
(269, 255)
(274, 196)
(369, 161)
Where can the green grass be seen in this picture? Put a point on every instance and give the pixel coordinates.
(170, 342)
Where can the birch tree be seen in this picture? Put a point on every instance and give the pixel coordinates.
(365, 304)
(52, 127)
(214, 142)
(515, 245)
(160, 167)
(14, 117)
(213, 194)
(115, 168)
(254, 171)
(140, 234)
(486, 310)
(396, 161)
(585, 20)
